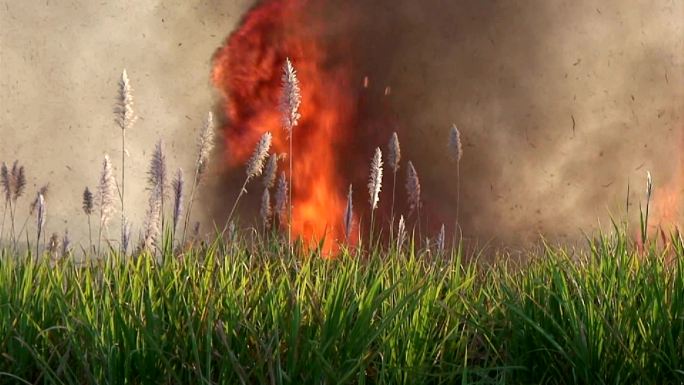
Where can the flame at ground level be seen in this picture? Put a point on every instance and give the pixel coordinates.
(247, 70)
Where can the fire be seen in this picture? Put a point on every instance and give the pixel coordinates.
(247, 71)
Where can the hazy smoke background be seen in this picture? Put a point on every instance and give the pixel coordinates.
(511, 74)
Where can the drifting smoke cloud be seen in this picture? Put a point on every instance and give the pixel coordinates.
(559, 104)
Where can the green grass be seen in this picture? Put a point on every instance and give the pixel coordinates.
(245, 315)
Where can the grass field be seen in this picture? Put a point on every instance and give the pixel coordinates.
(239, 314)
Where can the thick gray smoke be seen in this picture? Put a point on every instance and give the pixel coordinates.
(560, 104)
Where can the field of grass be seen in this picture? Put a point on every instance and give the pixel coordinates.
(247, 313)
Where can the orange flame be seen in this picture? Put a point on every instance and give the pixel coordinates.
(247, 71)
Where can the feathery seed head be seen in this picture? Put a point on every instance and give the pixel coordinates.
(401, 233)
(455, 144)
(152, 219)
(87, 201)
(440, 239)
(53, 245)
(375, 179)
(177, 185)
(205, 144)
(412, 187)
(266, 211)
(649, 186)
(66, 244)
(393, 152)
(157, 173)
(18, 179)
(291, 97)
(5, 181)
(281, 197)
(126, 236)
(271, 171)
(41, 212)
(255, 165)
(106, 192)
(348, 215)
(43, 190)
(123, 109)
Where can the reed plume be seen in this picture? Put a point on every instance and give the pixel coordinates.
(126, 237)
(441, 239)
(291, 97)
(265, 212)
(5, 181)
(393, 159)
(105, 198)
(13, 182)
(401, 233)
(158, 178)
(255, 166)
(281, 198)
(53, 246)
(88, 210)
(456, 148)
(412, 188)
(270, 171)
(18, 179)
(375, 179)
(66, 244)
(40, 220)
(5, 185)
(413, 192)
(177, 186)
(374, 186)
(205, 144)
(152, 220)
(348, 215)
(455, 144)
(43, 190)
(125, 117)
(290, 102)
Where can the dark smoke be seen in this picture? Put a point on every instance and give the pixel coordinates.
(560, 104)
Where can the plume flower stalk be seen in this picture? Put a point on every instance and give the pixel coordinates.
(290, 102)
(177, 186)
(125, 117)
(374, 186)
(88, 210)
(105, 198)
(265, 212)
(456, 150)
(205, 144)
(281, 199)
(255, 167)
(348, 215)
(393, 159)
(413, 191)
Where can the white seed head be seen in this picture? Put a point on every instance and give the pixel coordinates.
(266, 211)
(205, 144)
(291, 97)
(375, 179)
(255, 165)
(281, 197)
(455, 144)
(123, 109)
(348, 215)
(412, 187)
(393, 152)
(271, 170)
(106, 192)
